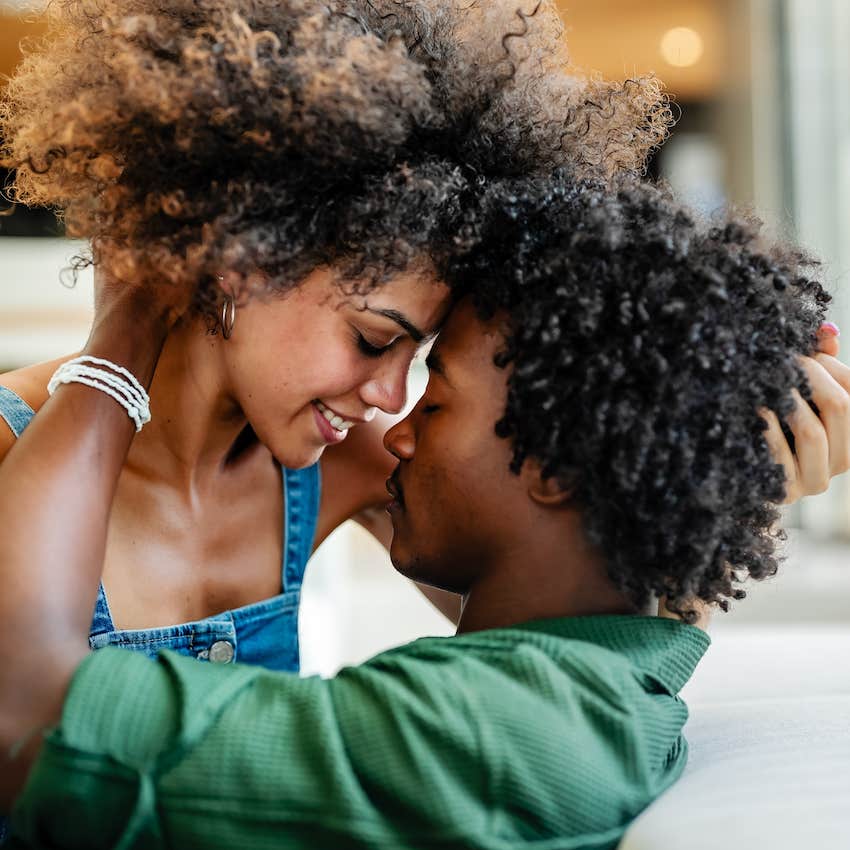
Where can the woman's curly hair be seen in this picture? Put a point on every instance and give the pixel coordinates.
(643, 345)
(191, 136)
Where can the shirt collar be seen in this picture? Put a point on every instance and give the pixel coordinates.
(667, 650)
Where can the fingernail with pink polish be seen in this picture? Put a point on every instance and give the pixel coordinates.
(829, 329)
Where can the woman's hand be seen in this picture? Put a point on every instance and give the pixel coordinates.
(822, 439)
(157, 307)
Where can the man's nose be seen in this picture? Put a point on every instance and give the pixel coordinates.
(388, 389)
(400, 441)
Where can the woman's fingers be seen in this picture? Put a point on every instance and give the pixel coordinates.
(828, 335)
(166, 301)
(822, 439)
(782, 454)
(829, 380)
(838, 370)
(811, 448)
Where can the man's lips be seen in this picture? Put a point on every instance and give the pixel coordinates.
(395, 490)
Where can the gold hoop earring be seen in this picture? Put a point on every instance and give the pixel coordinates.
(228, 317)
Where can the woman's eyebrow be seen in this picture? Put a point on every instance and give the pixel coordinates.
(402, 321)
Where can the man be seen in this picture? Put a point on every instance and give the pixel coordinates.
(626, 356)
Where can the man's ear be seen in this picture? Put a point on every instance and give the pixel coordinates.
(546, 492)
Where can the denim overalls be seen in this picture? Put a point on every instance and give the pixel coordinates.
(263, 633)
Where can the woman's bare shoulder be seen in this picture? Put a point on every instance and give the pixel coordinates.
(30, 383)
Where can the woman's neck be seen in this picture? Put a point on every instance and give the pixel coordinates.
(196, 420)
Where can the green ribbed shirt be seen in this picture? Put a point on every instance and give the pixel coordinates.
(549, 735)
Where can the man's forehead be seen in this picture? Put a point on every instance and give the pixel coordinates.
(466, 345)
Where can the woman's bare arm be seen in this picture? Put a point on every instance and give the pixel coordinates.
(56, 489)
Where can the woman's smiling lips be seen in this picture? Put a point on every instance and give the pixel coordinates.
(324, 417)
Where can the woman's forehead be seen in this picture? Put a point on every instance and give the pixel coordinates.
(420, 302)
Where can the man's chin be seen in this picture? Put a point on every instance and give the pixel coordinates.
(416, 562)
(401, 546)
(399, 554)
(413, 566)
(402, 555)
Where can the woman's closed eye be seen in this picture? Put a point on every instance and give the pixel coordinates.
(371, 350)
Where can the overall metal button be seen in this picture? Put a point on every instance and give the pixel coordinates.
(221, 652)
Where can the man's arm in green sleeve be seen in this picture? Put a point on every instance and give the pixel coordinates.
(198, 755)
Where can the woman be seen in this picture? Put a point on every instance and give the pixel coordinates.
(314, 156)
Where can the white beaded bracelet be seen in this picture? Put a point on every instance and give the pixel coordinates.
(119, 384)
(98, 361)
(132, 389)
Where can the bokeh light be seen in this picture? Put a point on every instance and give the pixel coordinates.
(681, 47)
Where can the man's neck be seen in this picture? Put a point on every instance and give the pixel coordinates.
(555, 575)
(484, 611)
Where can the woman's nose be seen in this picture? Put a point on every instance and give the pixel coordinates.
(387, 390)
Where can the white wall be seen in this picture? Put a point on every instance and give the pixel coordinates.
(40, 318)
(817, 120)
(355, 605)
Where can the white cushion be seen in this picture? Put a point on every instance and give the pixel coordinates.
(762, 774)
(771, 662)
(769, 736)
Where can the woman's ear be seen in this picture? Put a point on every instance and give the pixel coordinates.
(545, 491)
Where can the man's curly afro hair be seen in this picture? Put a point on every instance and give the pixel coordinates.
(643, 345)
(186, 137)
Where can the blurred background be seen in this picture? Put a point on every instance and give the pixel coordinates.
(761, 86)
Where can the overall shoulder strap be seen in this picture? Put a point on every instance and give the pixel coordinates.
(15, 411)
(302, 494)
